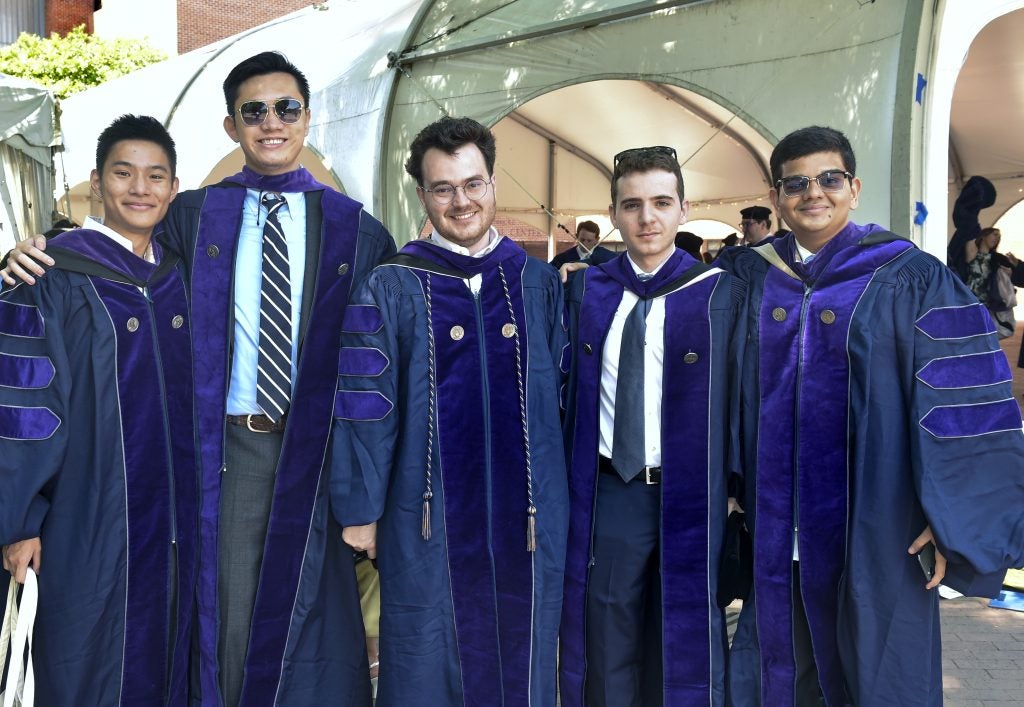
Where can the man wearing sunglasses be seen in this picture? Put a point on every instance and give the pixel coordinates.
(878, 422)
(272, 255)
(647, 421)
(447, 456)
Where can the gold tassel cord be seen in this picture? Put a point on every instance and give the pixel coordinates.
(425, 527)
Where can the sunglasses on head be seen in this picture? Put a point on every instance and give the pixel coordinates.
(655, 149)
(829, 180)
(288, 110)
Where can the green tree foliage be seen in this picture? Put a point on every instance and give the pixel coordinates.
(76, 61)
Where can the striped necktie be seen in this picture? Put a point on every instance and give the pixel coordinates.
(274, 372)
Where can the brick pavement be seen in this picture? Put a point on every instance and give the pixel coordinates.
(983, 648)
(982, 654)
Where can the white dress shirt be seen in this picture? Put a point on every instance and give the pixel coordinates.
(493, 238)
(654, 358)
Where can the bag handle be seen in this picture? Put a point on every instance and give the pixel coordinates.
(21, 681)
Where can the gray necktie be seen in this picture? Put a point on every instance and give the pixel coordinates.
(628, 443)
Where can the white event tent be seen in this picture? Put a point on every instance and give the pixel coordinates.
(27, 135)
(568, 83)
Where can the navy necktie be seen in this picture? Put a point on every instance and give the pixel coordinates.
(274, 372)
(628, 443)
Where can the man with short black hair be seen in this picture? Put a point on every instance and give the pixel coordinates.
(447, 454)
(272, 255)
(588, 248)
(647, 426)
(97, 441)
(756, 224)
(878, 423)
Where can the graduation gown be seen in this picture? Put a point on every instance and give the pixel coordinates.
(701, 311)
(97, 457)
(307, 645)
(455, 396)
(876, 402)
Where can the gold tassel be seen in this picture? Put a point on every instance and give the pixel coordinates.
(531, 529)
(425, 527)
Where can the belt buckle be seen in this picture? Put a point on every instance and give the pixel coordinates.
(248, 425)
(647, 476)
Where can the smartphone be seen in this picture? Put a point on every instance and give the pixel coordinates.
(926, 558)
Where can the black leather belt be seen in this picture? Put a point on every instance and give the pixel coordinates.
(258, 423)
(651, 475)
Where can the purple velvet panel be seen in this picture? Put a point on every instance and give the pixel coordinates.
(361, 405)
(20, 320)
(362, 319)
(299, 470)
(969, 371)
(463, 429)
(356, 361)
(299, 180)
(169, 301)
(804, 417)
(98, 247)
(27, 423)
(513, 567)
(485, 482)
(951, 421)
(686, 557)
(148, 494)
(25, 371)
(211, 295)
(773, 541)
(956, 322)
(600, 300)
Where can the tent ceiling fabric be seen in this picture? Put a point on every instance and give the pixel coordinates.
(382, 69)
(987, 114)
(718, 171)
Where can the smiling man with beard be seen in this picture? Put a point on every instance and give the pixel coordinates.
(448, 463)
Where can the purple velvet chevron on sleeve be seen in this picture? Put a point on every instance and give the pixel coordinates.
(361, 405)
(27, 423)
(969, 371)
(21, 320)
(959, 322)
(361, 361)
(972, 420)
(25, 371)
(362, 319)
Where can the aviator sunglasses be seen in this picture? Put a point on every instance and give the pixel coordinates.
(830, 180)
(255, 112)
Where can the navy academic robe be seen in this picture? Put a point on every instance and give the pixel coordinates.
(701, 311)
(455, 396)
(97, 457)
(307, 645)
(876, 401)
(599, 255)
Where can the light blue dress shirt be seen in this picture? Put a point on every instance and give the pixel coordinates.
(248, 274)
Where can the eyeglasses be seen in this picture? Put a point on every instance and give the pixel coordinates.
(288, 110)
(655, 149)
(473, 189)
(749, 222)
(829, 180)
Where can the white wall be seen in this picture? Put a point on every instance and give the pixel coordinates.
(153, 20)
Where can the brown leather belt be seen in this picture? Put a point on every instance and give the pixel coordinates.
(258, 423)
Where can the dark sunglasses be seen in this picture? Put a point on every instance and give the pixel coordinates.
(288, 110)
(829, 180)
(656, 149)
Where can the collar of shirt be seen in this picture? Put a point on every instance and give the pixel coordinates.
(493, 238)
(652, 273)
(95, 224)
(802, 254)
(254, 203)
